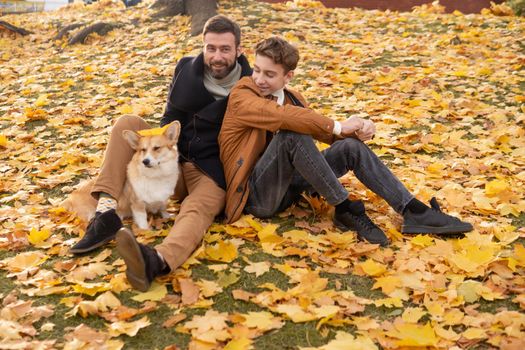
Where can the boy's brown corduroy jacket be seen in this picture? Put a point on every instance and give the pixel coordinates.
(242, 139)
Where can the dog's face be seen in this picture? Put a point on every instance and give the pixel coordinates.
(153, 151)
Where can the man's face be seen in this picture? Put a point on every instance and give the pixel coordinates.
(269, 76)
(220, 53)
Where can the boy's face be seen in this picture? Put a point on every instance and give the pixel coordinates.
(269, 76)
(220, 53)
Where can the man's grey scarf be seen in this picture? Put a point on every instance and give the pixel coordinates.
(220, 88)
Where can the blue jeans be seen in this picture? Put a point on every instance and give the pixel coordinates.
(292, 164)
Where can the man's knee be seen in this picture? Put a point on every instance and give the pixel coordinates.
(130, 122)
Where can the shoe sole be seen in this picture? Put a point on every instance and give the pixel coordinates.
(91, 248)
(436, 230)
(129, 250)
(344, 228)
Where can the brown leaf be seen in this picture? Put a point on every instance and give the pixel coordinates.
(189, 290)
(173, 320)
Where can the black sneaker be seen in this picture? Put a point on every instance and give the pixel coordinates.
(142, 262)
(101, 229)
(361, 223)
(433, 220)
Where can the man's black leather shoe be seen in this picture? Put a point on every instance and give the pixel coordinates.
(142, 262)
(101, 229)
(433, 220)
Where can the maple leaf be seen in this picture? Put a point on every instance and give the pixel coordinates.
(372, 268)
(190, 291)
(422, 240)
(156, 292)
(239, 344)
(259, 268)
(173, 320)
(414, 335)
(36, 237)
(262, 320)
(295, 313)
(210, 328)
(89, 271)
(24, 261)
(346, 341)
(225, 279)
(222, 251)
(91, 288)
(3, 141)
(413, 314)
(84, 336)
(129, 328)
(209, 288)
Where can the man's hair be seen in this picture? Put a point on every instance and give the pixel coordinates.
(222, 24)
(280, 51)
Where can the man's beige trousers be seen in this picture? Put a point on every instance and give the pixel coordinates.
(202, 199)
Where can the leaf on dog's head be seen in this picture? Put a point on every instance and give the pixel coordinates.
(154, 131)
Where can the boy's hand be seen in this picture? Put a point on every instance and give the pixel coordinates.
(350, 126)
(367, 132)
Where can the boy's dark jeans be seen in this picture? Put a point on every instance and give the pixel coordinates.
(292, 164)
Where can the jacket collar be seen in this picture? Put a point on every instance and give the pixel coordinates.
(247, 82)
(189, 86)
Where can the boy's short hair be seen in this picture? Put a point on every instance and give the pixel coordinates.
(222, 24)
(280, 51)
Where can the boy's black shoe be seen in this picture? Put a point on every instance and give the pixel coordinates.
(142, 262)
(361, 223)
(433, 220)
(100, 230)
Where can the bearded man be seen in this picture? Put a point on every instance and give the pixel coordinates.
(197, 98)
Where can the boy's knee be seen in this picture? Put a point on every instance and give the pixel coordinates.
(293, 137)
(259, 212)
(353, 145)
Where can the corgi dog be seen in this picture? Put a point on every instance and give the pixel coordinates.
(152, 175)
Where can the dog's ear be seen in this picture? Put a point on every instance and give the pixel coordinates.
(132, 138)
(173, 131)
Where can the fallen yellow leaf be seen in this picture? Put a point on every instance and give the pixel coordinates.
(156, 292)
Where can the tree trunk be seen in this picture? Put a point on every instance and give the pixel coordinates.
(14, 29)
(101, 28)
(199, 10)
(65, 31)
(169, 8)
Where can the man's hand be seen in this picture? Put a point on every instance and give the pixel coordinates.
(367, 132)
(350, 126)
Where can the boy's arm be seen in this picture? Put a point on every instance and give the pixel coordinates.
(251, 110)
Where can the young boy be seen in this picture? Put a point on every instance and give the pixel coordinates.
(269, 156)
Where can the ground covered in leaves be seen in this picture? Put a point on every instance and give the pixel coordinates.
(447, 93)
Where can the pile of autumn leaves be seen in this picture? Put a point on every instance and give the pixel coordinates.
(444, 91)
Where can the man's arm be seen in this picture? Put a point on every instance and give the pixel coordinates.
(171, 113)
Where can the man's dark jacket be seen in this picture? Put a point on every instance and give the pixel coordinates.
(200, 115)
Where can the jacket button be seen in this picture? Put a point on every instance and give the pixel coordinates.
(239, 189)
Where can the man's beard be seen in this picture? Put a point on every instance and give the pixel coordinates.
(224, 70)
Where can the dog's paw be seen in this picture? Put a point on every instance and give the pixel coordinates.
(141, 222)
